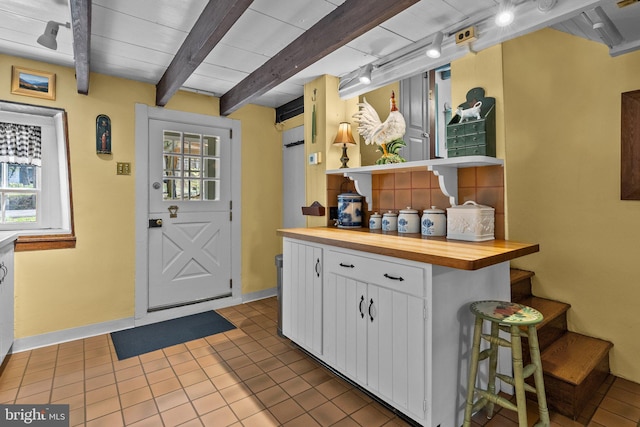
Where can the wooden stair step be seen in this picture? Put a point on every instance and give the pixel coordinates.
(574, 356)
(518, 275)
(520, 284)
(550, 309)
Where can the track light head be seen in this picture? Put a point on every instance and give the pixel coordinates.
(435, 49)
(364, 76)
(48, 38)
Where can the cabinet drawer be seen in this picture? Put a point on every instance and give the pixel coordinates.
(474, 127)
(476, 139)
(456, 152)
(476, 150)
(455, 142)
(455, 130)
(395, 276)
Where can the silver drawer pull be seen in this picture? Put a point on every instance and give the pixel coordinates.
(347, 265)
(399, 278)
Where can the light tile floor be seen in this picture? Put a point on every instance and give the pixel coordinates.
(244, 377)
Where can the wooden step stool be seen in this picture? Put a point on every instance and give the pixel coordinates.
(508, 317)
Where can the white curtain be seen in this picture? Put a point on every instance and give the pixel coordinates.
(20, 144)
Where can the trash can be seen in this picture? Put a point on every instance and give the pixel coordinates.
(279, 292)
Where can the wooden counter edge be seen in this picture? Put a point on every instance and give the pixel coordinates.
(445, 261)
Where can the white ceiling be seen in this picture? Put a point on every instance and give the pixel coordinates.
(137, 39)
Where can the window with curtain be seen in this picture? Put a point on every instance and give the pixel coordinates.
(20, 161)
(35, 190)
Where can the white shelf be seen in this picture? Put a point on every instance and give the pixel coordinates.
(445, 169)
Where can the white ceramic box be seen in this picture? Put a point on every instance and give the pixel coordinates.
(471, 222)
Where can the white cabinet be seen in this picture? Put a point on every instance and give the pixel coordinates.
(398, 328)
(302, 294)
(6, 297)
(374, 327)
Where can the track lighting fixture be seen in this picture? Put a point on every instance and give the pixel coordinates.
(365, 74)
(435, 49)
(603, 25)
(48, 39)
(505, 14)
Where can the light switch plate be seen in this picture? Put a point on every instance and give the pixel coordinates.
(123, 168)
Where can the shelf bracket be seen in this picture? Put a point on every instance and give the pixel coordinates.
(362, 182)
(448, 180)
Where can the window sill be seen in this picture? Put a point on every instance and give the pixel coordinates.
(45, 242)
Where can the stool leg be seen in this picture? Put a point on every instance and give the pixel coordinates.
(493, 367)
(518, 375)
(473, 371)
(538, 376)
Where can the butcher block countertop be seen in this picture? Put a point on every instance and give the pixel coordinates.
(431, 250)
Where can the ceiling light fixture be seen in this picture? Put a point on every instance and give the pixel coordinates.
(605, 28)
(435, 49)
(48, 39)
(505, 14)
(364, 76)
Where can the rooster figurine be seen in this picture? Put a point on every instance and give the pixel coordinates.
(388, 134)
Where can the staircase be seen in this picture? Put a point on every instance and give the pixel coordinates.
(574, 365)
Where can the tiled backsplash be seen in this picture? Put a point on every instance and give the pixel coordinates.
(420, 190)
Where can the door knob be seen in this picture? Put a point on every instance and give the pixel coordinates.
(156, 185)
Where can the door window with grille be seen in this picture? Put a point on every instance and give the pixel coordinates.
(191, 166)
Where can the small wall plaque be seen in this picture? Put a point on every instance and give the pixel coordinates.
(103, 134)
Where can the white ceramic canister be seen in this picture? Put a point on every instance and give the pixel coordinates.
(408, 221)
(389, 221)
(349, 210)
(434, 222)
(375, 221)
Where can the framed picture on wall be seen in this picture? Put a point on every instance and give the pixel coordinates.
(38, 84)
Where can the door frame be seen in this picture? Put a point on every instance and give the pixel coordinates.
(144, 113)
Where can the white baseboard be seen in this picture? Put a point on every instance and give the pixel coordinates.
(65, 335)
(81, 332)
(254, 296)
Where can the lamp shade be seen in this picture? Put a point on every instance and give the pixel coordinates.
(344, 136)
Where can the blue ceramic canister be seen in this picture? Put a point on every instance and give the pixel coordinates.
(375, 221)
(390, 221)
(349, 210)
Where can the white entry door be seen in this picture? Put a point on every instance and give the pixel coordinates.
(189, 214)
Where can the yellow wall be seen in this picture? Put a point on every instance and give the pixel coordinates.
(561, 100)
(93, 283)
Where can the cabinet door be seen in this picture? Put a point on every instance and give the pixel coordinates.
(302, 295)
(6, 300)
(396, 348)
(345, 326)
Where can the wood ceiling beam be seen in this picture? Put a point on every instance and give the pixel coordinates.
(81, 27)
(348, 21)
(214, 22)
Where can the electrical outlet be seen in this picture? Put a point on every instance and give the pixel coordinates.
(466, 35)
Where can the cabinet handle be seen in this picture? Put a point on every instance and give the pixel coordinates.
(5, 271)
(317, 267)
(399, 278)
(360, 306)
(370, 308)
(347, 265)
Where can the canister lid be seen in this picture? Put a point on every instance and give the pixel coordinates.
(433, 210)
(390, 213)
(408, 211)
(375, 215)
(354, 196)
(471, 206)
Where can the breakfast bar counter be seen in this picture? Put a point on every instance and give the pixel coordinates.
(432, 250)
(390, 312)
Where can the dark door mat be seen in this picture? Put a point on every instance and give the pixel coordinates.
(148, 338)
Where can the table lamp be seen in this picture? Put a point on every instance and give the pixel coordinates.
(344, 138)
